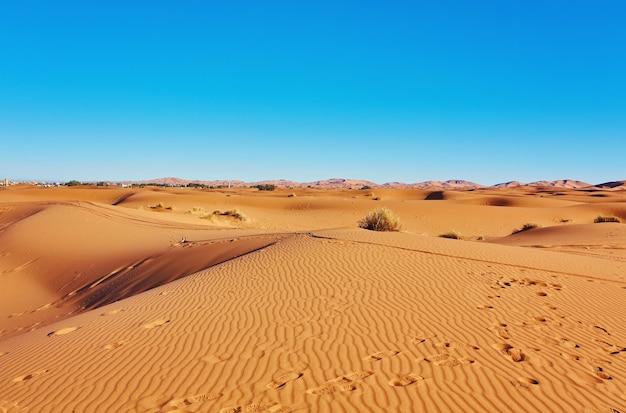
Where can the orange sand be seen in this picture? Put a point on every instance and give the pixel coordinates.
(111, 302)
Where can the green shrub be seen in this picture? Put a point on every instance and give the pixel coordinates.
(381, 219)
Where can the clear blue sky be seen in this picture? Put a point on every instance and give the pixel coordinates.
(485, 90)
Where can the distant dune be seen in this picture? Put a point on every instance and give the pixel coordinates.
(167, 299)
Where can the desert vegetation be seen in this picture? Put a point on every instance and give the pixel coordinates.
(232, 213)
(526, 227)
(602, 218)
(381, 219)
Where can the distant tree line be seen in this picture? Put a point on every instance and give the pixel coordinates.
(265, 187)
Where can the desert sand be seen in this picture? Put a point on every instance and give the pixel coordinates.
(141, 300)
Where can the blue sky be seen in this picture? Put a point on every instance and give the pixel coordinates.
(488, 91)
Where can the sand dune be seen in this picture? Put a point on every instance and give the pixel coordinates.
(140, 309)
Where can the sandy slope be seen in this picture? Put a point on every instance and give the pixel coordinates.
(306, 312)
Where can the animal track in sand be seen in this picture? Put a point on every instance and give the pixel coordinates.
(405, 380)
(345, 383)
(282, 380)
(63, 331)
(156, 323)
(381, 355)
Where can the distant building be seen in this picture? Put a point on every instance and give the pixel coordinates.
(6, 181)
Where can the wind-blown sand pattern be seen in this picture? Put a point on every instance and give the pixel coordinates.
(110, 308)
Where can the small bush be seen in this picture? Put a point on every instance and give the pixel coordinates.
(233, 213)
(381, 219)
(453, 235)
(602, 218)
(291, 195)
(365, 187)
(526, 227)
(195, 210)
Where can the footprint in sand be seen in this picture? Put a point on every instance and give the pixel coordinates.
(282, 380)
(344, 383)
(27, 377)
(381, 355)
(115, 345)
(502, 331)
(258, 408)
(195, 399)
(514, 353)
(418, 340)
(63, 331)
(433, 358)
(405, 380)
(456, 344)
(214, 358)
(156, 323)
(524, 383)
(568, 343)
(571, 356)
(599, 372)
(117, 310)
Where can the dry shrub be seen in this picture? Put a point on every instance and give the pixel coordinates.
(381, 219)
(233, 213)
(453, 235)
(602, 218)
(526, 227)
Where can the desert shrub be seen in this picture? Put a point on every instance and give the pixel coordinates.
(381, 219)
(292, 195)
(602, 218)
(73, 183)
(195, 210)
(233, 213)
(365, 187)
(453, 235)
(526, 227)
(376, 198)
